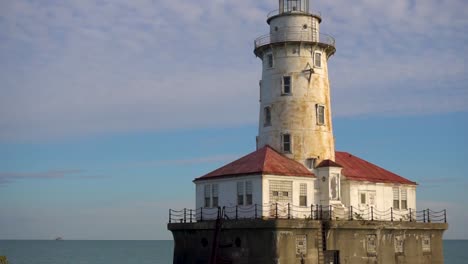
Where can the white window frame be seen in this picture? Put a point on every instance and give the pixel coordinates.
(240, 191)
(283, 143)
(207, 196)
(396, 198)
(319, 53)
(248, 192)
(211, 190)
(404, 197)
(283, 85)
(214, 195)
(303, 193)
(317, 110)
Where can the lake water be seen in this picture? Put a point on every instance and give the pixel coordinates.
(133, 252)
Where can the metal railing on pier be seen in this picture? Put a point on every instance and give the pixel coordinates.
(312, 212)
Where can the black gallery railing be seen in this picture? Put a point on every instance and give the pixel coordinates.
(314, 212)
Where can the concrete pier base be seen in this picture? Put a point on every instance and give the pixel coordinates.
(284, 241)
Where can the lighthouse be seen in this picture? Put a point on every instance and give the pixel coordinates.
(295, 199)
(295, 111)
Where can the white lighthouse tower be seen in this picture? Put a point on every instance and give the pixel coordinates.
(295, 111)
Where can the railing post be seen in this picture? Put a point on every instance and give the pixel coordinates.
(201, 214)
(316, 212)
(424, 216)
(276, 210)
(170, 216)
(372, 213)
(289, 212)
(351, 212)
(190, 215)
(321, 212)
(237, 211)
(185, 215)
(410, 216)
(330, 212)
(428, 217)
(391, 213)
(311, 211)
(255, 211)
(445, 215)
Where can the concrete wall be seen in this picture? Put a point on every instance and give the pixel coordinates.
(274, 241)
(351, 239)
(259, 241)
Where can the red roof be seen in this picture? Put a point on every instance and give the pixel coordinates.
(358, 169)
(263, 161)
(328, 163)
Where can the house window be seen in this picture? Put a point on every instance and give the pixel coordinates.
(208, 195)
(363, 198)
(320, 114)
(286, 138)
(303, 194)
(240, 193)
(287, 85)
(214, 194)
(396, 198)
(267, 116)
(270, 60)
(404, 199)
(248, 193)
(318, 59)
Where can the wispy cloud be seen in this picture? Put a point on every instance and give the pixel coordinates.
(9, 177)
(90, 67)
(187, 161)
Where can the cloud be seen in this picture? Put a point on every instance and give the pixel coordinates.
(91, 67)
(10, 177)
(188, 161)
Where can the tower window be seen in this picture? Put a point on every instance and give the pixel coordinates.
(267, 116)
(310, 163)
(269, 58)
(287, 85)
(286, 138)
(318, 59)
(320, 115)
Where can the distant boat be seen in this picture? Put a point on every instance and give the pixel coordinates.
(58, 238)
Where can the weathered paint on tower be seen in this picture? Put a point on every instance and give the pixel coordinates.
(295, 109)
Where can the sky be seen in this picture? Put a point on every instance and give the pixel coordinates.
(109, 109)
